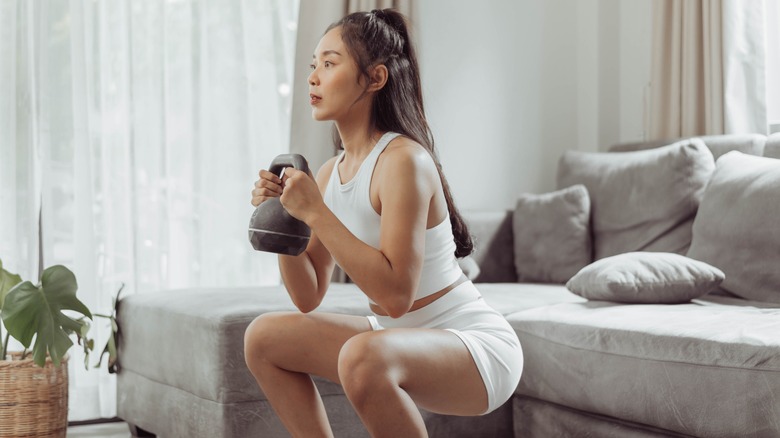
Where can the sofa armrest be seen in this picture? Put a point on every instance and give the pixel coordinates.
(772, 146)
(493, 245)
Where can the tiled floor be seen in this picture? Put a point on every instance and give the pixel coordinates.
(103, 430)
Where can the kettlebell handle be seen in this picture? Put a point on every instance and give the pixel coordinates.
(295, 161)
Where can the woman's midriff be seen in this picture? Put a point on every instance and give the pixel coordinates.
(424, 301)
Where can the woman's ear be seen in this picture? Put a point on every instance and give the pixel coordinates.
(378, 77)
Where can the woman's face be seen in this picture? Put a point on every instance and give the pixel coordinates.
(334, 89)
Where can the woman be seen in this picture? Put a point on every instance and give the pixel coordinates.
(383, 212)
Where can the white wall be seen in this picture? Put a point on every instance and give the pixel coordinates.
(511, 84)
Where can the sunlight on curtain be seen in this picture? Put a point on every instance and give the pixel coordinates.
(744, 67)
(141, 125)
(19, 169)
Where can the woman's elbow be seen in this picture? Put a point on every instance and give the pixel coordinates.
(307, 305)
(396, 313)
(398, 307)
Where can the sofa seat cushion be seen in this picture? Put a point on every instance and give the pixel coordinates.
(193, 339)
(509, 298)
(706, 368)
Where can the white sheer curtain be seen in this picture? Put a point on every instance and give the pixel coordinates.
(745, 77)
(138, 127)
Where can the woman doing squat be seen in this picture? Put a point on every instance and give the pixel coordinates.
(382, 211)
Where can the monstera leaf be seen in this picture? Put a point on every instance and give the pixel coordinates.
(111, 345)
(36, 311)
(7, 282)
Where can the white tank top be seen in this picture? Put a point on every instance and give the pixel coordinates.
(351, 203)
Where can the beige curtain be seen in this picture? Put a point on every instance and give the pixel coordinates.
(308, 137)
(708, 68)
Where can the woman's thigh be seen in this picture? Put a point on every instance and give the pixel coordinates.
(433, 366)
(302, 342)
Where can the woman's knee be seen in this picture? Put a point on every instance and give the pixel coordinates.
(365, 366)
(263, 334)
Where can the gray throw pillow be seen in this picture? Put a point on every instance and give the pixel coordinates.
(552, 235)
(645, 277)
(737, 227)
(642, 200)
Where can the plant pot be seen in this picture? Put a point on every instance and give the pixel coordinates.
(34, 401)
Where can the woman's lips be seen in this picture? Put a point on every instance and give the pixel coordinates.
(314, 99)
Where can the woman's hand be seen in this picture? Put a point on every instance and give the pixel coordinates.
(268, 186)
(300, 196)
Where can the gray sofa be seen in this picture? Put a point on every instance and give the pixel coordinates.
(708, 368)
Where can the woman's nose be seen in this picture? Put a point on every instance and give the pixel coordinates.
(312, 78)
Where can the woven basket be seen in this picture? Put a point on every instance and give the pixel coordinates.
(33, 400)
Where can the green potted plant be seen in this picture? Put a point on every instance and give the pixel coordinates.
(35, 389)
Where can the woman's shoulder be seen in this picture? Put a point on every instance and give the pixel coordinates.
(404, 156)
(323, 175)
(327, 167)
(403, 149)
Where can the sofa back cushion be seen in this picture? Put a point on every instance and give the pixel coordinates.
(642, 200)
(736, 228)
(752, 144)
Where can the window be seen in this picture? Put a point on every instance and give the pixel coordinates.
(772, 26)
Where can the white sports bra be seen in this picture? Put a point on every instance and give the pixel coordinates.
(351, 203)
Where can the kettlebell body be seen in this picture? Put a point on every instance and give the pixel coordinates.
(271, 228)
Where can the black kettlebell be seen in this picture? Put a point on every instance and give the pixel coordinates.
(271, 228)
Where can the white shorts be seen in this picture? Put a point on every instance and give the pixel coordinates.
(488, 336)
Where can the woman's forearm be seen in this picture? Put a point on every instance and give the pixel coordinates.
(300, 279)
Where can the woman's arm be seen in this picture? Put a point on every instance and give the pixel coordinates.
(388, 275)
(307, 276)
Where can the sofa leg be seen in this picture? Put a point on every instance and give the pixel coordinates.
(138, 432)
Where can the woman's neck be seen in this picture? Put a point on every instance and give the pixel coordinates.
(357, 139)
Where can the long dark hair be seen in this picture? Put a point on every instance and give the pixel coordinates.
(382, 37)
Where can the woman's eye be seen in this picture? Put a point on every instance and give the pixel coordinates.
(324, 63)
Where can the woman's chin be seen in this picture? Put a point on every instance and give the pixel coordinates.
(318, 115)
